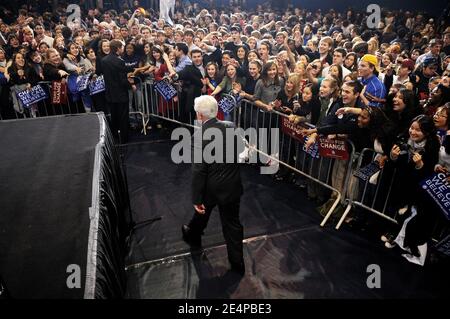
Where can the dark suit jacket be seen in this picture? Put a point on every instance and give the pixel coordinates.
(115, 74)
(192, 85)
(216, 183)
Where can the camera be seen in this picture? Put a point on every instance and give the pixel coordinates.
(402, 143)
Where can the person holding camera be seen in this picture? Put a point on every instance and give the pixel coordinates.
(442, 122)
(415, 160)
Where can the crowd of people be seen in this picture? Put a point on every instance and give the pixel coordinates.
(386, 88)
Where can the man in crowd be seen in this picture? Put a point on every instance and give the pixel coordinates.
(116, 75)
(375, 91)
(192, 76)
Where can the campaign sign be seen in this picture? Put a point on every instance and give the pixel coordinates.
(367, 171)
(436, 186)
(82, 82)
(333, 148)
(313, 150)
(166, 89)
(227, 104)
(97, 85)
(34, 95)
(59, 92)
(291, 129)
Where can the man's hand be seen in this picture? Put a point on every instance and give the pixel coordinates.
(310, 142)
(308, 132)
(341, 111)
(200, 209)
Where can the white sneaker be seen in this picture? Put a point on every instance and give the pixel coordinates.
(384, 239)
(389, 245)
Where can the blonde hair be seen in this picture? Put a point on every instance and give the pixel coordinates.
(333, 85)
(374, 43)
(295, 79)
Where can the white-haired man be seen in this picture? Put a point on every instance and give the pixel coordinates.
(216, 182)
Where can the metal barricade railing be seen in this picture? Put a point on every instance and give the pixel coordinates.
(246, 115)
(44, 107)
(316, 170)
(157, 107)
(375, 195)
(136, 102)
(371, 193)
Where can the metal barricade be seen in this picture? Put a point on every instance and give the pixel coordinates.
(370, 193)
(45, 107)
(246, 115)
(318, 171)
(136, 102)
(157, 107)
(374, 195)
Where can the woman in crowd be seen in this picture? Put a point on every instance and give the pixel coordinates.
(160, 71)
(89, 53)
(351, 62)
(286, 101)
(401, 108)
(77, 65)
(414, 164)
(314, 72)
(22, 77)
(103, 50)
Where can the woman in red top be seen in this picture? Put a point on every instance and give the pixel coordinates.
(166, 108)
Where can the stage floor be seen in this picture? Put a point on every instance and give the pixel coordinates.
(45, 193)
(287, 253)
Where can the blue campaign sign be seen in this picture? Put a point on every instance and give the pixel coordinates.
(227, 104)
(367, 171)
(166, 89)
(82, 82)
(439, 190)
(97, 85)
(313, 150)
(34, 95)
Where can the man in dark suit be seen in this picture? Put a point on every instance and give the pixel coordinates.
(116, 73)
(192, 76)
(216, 181)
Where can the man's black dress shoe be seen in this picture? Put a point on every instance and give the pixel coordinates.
(189, 237)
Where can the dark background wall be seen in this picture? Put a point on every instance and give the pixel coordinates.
(434, 7)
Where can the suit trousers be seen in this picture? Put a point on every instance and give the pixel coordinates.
(232, 229)
(119, 120)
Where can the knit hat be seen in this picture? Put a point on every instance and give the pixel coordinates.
(372, 59)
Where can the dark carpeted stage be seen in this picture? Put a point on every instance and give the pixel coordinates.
(62, 202)
(287, 253)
